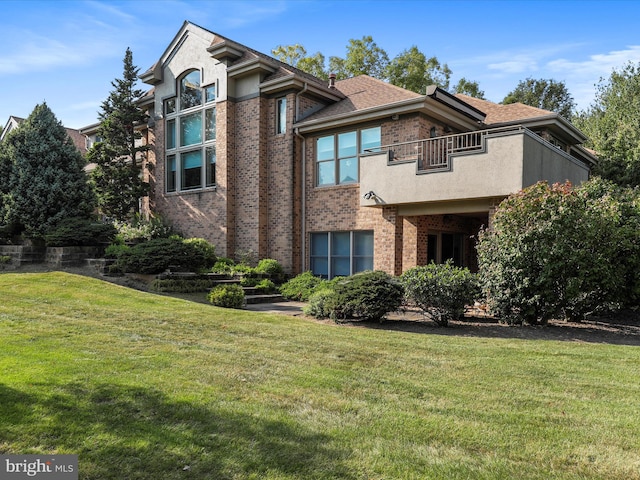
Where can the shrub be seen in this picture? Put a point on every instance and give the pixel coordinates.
(243, 269)
(181, 285)
(203, 248)
(559, 252)
(266, 286)
(228, 296)
(140, 229)
(115, 250)
(366, 296)
(161, 254)
(271, 267)
(300, 287)
(440, 291)
(79, 232)
(223, 265)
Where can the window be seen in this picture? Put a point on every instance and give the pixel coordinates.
(446, 246)
(341, 253)
(190, 134)
(337, 155)
(281, 116)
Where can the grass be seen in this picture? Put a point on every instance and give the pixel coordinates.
(144, 386)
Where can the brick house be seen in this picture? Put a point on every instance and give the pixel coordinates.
(76, 136)
(340, 176)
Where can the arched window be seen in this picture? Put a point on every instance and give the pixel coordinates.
(190, 135)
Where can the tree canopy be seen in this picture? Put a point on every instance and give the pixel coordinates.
(296, 56)
(43, 176)
(546, 94)
(612, 124)
(364, 57)
(412, 70)
(117, 177)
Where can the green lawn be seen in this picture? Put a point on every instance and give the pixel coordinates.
(143, 386)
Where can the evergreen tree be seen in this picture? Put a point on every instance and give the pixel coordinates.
(118, 177)
(46, 181)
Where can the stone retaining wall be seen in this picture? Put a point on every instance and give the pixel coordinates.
(52, 256)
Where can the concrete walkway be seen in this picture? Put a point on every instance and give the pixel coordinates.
(285, 308)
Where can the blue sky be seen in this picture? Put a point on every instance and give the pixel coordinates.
(67, 52)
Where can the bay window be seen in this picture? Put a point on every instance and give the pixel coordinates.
(190, 134)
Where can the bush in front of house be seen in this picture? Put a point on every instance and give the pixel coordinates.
(80, 232)
(440, 290)
(227, 296)
(266, 287)
(140, 229)
(364, 296)
(300, 287)
(320, 303)
(203, 249)
(559, 252)
(270, 267)
(161, 254)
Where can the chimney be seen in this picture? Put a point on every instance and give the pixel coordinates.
(332, 80)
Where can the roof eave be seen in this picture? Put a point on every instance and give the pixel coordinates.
(293, 82)
(424, 105)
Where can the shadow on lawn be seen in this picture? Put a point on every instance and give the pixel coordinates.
(131, 432)
(614, 332)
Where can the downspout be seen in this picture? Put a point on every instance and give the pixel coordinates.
(303, 203)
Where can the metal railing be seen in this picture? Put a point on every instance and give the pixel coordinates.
(434, 154)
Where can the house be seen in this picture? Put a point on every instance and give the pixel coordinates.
(334, 177)
(76, 137)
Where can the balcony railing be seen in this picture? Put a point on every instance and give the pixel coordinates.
(434, 154)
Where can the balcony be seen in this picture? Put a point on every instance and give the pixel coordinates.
(464, 172)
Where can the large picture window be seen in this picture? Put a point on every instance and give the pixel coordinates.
(335, 254)
(190, 135)
(337, 155)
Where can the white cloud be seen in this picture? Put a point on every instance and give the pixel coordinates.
(601, 63)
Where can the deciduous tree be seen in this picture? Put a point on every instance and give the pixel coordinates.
(469, 87)
(612, 125)
(296, 56)
(546, 94)
(412, 70)
(364, 57)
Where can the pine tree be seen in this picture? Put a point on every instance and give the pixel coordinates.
(46, 181)
(117, 178)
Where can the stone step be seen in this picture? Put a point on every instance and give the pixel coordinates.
(253, 299)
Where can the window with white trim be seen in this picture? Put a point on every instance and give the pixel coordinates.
(337, 254)
(337, 155)
(190, 135)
